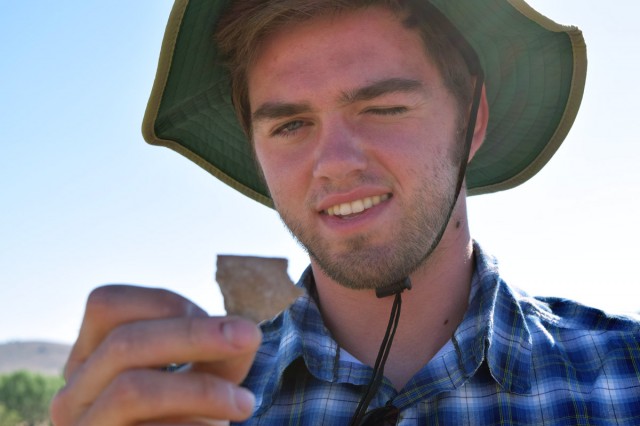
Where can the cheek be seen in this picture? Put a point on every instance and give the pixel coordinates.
(398, 145)
(269, 167)
(282, 172)
(417, 139)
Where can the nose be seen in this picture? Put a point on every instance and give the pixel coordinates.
(339, 152)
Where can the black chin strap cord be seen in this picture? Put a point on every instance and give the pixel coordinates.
(399, 287)
(385, 346)
(473, 63)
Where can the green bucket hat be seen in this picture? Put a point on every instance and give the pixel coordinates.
(535, 72)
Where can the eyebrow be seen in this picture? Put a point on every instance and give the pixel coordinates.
(381, 88)
(278, 110)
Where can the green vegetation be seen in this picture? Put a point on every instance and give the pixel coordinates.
(9, 417)
(25, 398)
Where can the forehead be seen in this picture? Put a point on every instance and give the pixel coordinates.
(349, 48)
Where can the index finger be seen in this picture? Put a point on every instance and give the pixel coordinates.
(113, 305)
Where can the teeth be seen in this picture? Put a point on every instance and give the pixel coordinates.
(357, 206)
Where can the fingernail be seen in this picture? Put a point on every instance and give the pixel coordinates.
(239, 332)
(244, 399)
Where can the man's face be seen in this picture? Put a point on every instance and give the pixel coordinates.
(356, 135)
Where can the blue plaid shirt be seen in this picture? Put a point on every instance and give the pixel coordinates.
(514, 360)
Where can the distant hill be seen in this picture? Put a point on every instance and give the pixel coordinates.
(38, 357)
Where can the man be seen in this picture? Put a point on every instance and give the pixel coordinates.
(363, 116)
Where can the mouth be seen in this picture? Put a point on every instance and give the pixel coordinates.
(355, 207)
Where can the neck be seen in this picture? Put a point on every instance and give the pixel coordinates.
(431, 310)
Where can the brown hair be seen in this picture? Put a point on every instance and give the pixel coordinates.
(246, 23)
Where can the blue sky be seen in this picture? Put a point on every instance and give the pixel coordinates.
(85, 201)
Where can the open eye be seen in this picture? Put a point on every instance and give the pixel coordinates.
(288, 128)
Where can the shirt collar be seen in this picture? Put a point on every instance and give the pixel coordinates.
(315, 343)
(298, 332)
(493, 330)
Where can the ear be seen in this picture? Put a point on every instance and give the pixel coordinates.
(482, 119)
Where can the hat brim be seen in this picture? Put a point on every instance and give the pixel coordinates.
(535, 71)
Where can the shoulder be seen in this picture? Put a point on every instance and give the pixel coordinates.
(561, 321)
(565, 317)
(583, 341)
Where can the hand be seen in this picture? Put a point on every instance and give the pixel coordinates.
(114, 372)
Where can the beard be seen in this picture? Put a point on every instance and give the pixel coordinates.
(362, 263)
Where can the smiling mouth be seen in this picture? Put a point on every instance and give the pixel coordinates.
(357, 206)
